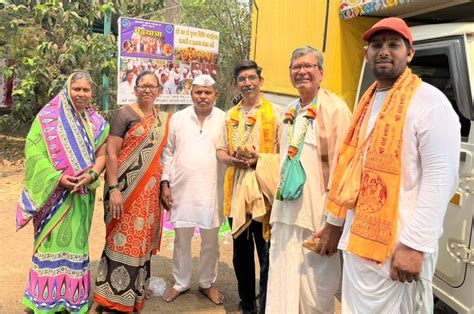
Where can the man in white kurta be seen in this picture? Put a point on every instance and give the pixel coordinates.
(429, 175)
(301, 280)
(194, 195)
(126, 89)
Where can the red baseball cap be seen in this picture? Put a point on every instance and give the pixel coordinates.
(394, 24)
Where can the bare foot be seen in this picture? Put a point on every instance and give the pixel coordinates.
(172, 294)
(148, 294)
(213, 294)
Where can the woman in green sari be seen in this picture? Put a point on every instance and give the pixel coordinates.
(65, 153)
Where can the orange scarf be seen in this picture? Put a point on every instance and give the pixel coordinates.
(235, 127)
(373, 231)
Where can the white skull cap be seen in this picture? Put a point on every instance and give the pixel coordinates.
(204, 80)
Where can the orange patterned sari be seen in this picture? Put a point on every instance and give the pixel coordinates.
(124, 269)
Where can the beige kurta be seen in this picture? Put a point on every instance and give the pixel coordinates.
(307, 211)
(300, 280)
(248, 202)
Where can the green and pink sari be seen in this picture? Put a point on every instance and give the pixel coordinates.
(60, 142)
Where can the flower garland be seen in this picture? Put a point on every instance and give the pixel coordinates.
(289, 119)
(240, 138)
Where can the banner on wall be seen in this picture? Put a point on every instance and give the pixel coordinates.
(349, 9)
(175, 53)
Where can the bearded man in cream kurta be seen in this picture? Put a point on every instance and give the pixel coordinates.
(301, 280)
(191, 186)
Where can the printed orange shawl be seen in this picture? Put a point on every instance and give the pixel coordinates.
(373, 231)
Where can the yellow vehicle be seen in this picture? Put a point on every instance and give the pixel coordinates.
(443, 32)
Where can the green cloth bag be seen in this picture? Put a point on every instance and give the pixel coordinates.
(293, 179)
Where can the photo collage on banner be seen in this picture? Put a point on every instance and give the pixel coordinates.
(175, 53)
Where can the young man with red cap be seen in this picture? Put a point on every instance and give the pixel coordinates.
(397, 170)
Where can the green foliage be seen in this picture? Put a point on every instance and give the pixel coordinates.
(232, 19)
(47, 41)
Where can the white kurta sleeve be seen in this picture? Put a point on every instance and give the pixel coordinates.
(333, 220)
(169, 150)
(437, 132)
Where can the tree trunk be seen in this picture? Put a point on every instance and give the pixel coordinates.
(173, 11)
(172, 15)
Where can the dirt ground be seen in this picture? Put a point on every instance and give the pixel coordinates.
(16, 250)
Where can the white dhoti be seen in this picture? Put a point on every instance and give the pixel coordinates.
(300, 281)
(368, 288)
(182, 257)
(429, 177)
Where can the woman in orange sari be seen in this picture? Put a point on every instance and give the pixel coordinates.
(138, 135)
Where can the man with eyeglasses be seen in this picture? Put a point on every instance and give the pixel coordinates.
(301, 280)
(191, 188)
(407, 174)
(248, 145)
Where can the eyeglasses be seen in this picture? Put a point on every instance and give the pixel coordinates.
(243, 79)
(143, 88)
(306, 67)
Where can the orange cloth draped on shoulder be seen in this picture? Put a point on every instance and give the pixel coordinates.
(124, 269)
(236, 135)
(374, 228)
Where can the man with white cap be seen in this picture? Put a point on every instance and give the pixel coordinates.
(396, 172)
(197, 70)
(192, 188)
